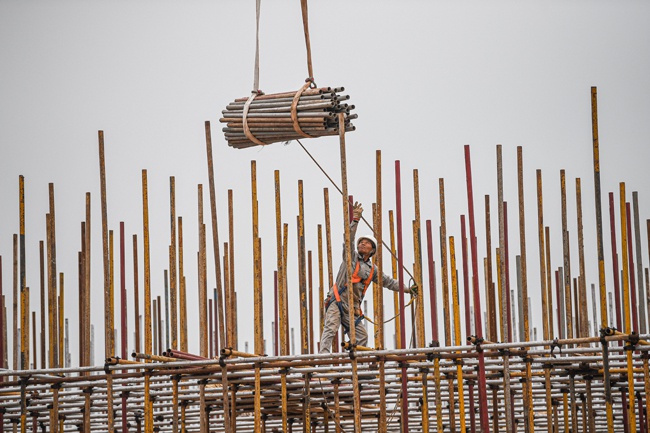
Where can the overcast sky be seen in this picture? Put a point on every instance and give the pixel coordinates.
(426, 78)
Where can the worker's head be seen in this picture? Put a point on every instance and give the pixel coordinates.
(366, 246)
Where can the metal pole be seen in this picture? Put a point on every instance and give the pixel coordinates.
(348, 259)
(173, 291)
(231, 319)
(457, 331)
(302, 273)
(215, 227)
(601, 255)
(400, 270)
(482, 386)
(444, 266)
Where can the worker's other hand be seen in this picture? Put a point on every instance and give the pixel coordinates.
(414, 290)
(357, 211)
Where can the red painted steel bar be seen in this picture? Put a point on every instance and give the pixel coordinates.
(615, 269)
(482, 385)
(468, 328)
(400, 276)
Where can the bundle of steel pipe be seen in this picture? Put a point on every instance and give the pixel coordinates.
(286, 116)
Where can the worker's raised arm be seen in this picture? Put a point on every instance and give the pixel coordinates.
(357, 211)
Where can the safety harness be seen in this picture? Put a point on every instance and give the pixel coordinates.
(336, 295)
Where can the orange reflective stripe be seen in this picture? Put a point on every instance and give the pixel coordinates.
(369, 280)
(355, 275)
(336, 293)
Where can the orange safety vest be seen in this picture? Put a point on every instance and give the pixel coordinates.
(355, 279)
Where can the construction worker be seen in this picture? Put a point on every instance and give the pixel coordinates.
(363, 272)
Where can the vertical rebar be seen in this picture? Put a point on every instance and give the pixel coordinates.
(503, 278)
(231, 321)
(626, 306)
(378, 296)
(215, 231)
(283, 324)
(639, 264)
(457, 332)
(24, 310)
(482, 385)
(567, 260)
(109, 344)
(630, 265)
(444, 265)
(490, 298)
(417, 271)
(302, 273)
(173, 289)
(136, 295)
(147, 278)
(547, 324)
(582, 286)
(257, 268)
(202, 271)
(348, 259)
(182, 298)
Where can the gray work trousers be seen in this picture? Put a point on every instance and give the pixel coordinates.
(333, 322)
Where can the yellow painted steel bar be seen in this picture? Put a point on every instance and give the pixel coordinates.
(626, 309)
(283, 384)
(282, 307)
(382, 396)
(348, 259)
(565, 406)
(302, 277)
(425, 400)
(54, 425)
(257, 400)
(52, 238)
(173, 278)
(147, 272)
(231, 319)
(549, 400)
(87, 275)
(51, 307)
(547, 324)
(378, 296)
(646, 383)
(444, 265)
(601, 260)
(182, 298)
(457, 339)
(417, 246)
(175, 404)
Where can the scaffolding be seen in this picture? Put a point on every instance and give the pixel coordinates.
(588, 372)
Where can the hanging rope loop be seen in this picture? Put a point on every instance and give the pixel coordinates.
(305, 25)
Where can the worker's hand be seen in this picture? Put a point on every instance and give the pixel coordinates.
(357, 211)
(414, 290)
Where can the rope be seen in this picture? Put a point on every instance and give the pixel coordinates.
(294, 110)
(256, 74)
(305, 25)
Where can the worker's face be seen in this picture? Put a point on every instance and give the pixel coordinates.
(364, 247)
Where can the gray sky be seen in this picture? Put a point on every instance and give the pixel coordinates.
(426, 78)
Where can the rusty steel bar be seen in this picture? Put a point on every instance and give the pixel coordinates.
(547, 324)
(231, 320)
(24, 308)
(642, 299)
(109, 344)
(490, 297)
(321, 287)
(173, 289)
(348, 259)
(310, 304)
(202, 276)
(215, 234)
(257, 267)
(52, 260)
(433, 296)
(630, 265)
(503, 278)
(393, 249)
(582, 284)
(567, 260)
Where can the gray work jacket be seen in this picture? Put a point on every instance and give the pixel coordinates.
(364, 271)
